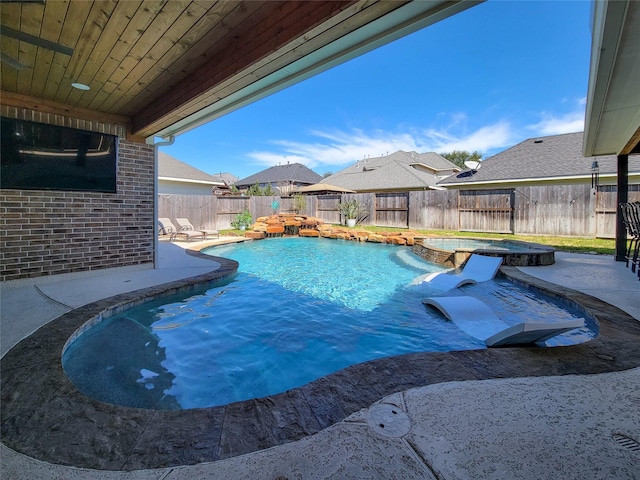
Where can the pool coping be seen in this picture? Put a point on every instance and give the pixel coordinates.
(44, 415)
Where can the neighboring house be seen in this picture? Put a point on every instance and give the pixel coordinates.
(400, 171)
(556, 159)
(176, 177)
(228, 180)
(285, 178)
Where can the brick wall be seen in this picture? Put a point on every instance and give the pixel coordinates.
(53, 232)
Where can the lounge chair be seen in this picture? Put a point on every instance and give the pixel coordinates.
(168, 228)
(186, 225)
(475, 318)
(479, 268)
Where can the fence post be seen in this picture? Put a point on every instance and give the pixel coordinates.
(512, 206)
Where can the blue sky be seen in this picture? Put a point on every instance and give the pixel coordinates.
(485, 79)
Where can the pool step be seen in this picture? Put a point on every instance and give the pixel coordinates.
(405, 256)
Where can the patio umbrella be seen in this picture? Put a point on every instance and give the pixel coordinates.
(323, 187)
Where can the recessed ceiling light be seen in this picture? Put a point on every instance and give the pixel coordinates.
(80, 86)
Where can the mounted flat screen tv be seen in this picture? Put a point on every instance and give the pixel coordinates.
(38, 156)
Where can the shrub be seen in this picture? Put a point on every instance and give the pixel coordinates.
(299, 203)
(243, 219)
(352, 209)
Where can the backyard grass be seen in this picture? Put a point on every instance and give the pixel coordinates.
(602, 246)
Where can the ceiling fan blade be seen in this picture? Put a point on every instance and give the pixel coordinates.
(37, 41)
(11, 62)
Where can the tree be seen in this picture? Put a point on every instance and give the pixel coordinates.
(327, 174)
(299, 203)
(460, 156)
(255, 190)
(268, 191)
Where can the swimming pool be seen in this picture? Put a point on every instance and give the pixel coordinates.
(299, 309)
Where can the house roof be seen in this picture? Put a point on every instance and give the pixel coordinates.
(227, 178)
(170, 168)
(398, 171)
(541, 158)
(289, 173)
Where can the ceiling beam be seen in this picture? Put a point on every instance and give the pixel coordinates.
(33, 40)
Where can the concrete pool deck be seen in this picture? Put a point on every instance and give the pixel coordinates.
(569, 426)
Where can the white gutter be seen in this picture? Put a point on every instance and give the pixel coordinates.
(533, 179)
(150, 141)
(187, 180)
(606, 31)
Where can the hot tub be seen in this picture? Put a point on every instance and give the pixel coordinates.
(454, 251)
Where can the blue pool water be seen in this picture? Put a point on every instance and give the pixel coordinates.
(451, 244)
(299, 309)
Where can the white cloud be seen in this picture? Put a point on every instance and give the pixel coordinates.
(556, 125)
(484, 139)
(340, 148)
(569, 123)
(336, 148)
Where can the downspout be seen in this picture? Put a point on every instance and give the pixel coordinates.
(155, 193)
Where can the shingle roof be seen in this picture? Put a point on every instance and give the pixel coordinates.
(398, 171)
(291, 172)
(227, 178)
(169, 167)
(538, 159)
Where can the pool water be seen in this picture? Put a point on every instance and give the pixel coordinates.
(360, 276)
(451, 244)
(299, 309)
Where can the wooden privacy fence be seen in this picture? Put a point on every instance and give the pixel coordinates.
(573, 210)
(486, 210)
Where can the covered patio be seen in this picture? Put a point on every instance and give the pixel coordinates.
(155, 70)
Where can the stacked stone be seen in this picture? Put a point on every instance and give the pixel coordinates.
(283, 224)
(304, 226)
(343, 233)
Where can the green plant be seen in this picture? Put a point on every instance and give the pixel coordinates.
(299, 203)
(352, 209)
(275, 205)
(243, 219)
(254, 190)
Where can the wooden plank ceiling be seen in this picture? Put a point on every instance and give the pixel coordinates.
(155, 62)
